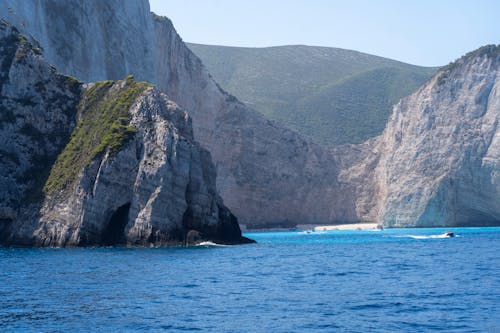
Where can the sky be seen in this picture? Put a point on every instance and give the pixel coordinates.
(420, 32)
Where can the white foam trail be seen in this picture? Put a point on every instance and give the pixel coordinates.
(427, 236)
(209, 243)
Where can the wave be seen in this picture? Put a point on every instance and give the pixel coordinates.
(209, 243)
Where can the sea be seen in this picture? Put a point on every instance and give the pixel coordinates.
(395, 280)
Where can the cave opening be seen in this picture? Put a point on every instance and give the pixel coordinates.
(5, 224)
(114, 233)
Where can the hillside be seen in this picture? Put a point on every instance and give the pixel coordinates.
(331, 95)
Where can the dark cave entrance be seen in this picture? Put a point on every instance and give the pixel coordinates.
(5, 224)
(114, 234)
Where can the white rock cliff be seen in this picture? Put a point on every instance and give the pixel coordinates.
(440, 152)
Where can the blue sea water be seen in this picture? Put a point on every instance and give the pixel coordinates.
(406, 280)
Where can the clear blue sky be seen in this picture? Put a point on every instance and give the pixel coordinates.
(421, 32)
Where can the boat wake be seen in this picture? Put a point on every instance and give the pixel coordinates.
(441, 236)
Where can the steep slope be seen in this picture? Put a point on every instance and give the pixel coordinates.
(106, 164)
(37, 107)
(80, 37)
(440, 152)
(266, 173)
(331, 95)
(132, 174)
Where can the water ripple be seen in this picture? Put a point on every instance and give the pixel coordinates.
(289, 282)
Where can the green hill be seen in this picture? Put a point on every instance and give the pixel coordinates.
(331, 95)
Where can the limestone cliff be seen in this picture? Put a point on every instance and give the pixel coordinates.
(266, 174)
(440, 152)
(92, 40)
(105, 164)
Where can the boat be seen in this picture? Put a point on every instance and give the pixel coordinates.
(449, 234)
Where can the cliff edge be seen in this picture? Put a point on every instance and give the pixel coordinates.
(440, 152)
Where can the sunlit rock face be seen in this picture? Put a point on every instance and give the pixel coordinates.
(439, 163)
(92, 40)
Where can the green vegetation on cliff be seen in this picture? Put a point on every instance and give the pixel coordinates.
(331, 95)
(103, 126)
(490, 50)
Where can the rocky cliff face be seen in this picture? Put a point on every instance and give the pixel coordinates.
(440, 153)
(147, 182)
(37, 107)
(266, 173)
(110, 163)
(92, 40)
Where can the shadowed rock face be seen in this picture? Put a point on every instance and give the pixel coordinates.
(440, 152)
(131, 172)
(37, 114)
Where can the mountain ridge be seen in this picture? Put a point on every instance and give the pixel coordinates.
(308, 46)
(310, 88)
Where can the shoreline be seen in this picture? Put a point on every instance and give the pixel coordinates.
(315, 227)
(350, 226)
(364, 226)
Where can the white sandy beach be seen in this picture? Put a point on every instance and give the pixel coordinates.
(350, 226)
(315, 227)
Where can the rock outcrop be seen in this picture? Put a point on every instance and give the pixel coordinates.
(440, 152)
(109, 163)
(147, 182)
